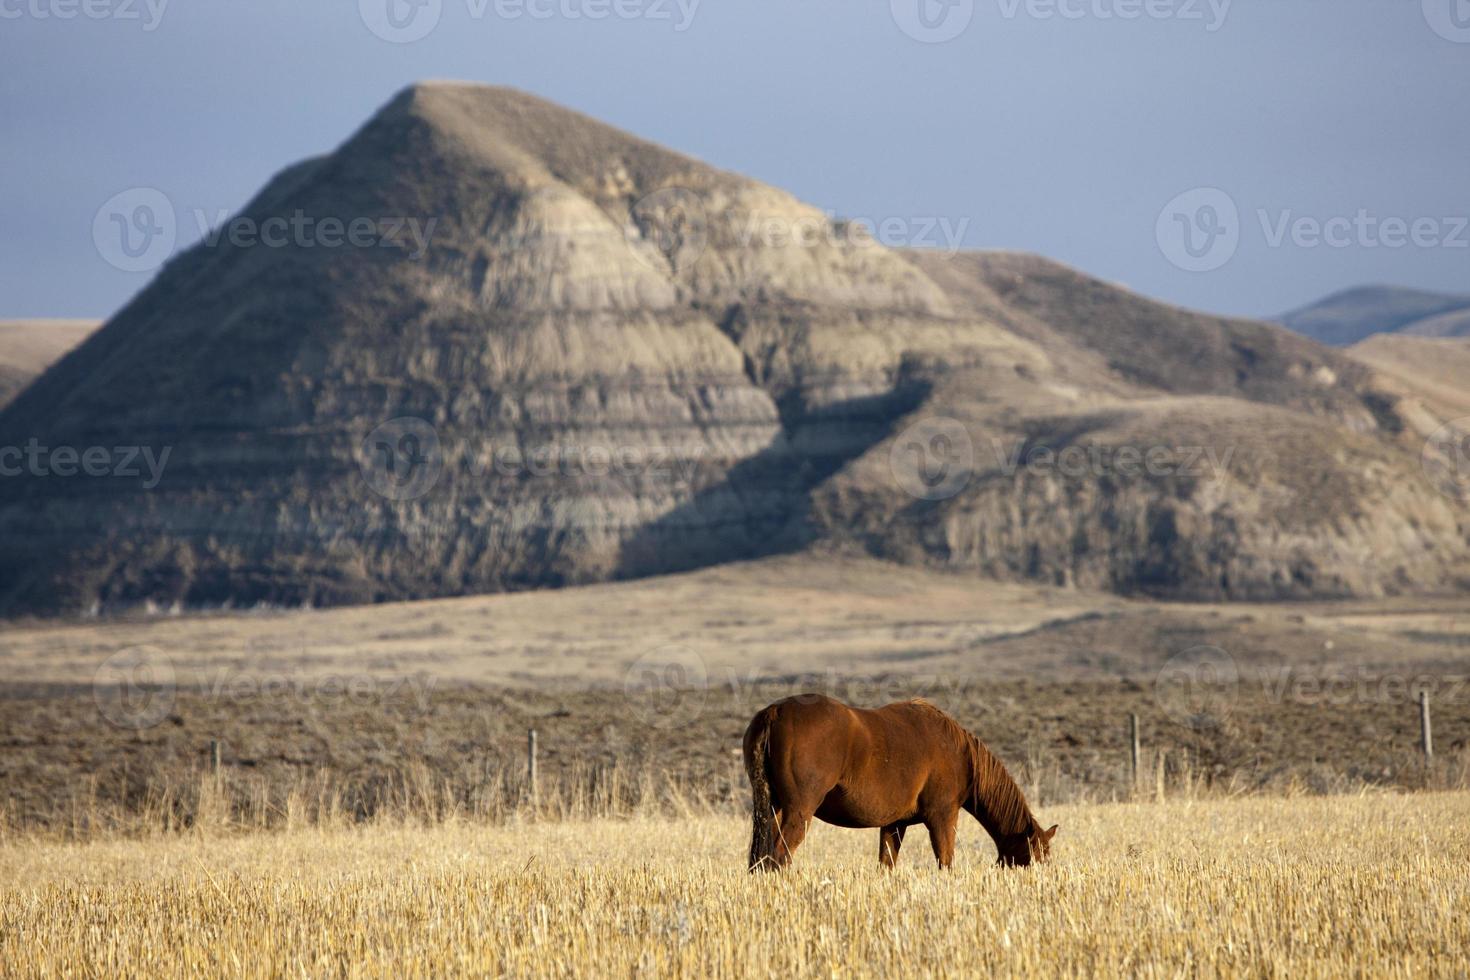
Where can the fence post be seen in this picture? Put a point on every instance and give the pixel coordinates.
(216, 750)
(1426, 739)
(531, 766)
(1135, 748)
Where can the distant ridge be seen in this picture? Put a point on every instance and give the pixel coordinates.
(1345, 318)
(587, 295)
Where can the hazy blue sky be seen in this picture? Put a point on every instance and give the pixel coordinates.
(1057, 126)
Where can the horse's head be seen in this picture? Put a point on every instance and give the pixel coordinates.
(1031, 844)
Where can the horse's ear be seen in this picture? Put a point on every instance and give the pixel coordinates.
(1049, 833)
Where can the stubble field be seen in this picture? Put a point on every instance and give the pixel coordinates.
(371, 814)
(1374, 885)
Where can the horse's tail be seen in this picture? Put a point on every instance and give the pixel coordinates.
(757, 768)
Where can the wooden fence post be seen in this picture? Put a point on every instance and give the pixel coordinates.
(531, 766)
(216, 750)
(1135, 748)
(1426, 739)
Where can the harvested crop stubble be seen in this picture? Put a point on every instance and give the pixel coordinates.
(1375, 885)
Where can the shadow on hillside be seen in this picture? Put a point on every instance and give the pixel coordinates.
(763, 505)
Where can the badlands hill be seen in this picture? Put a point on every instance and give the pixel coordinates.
(617, 361)
(1352, 315)
(28, 347)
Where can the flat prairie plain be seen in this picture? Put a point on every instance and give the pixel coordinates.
(640, 690)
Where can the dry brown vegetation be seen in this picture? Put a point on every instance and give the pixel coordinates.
(808, 614)
(1370, 885)
(1431, 369)
(423, 708)
(292, 757)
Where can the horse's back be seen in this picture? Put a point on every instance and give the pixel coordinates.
(806, 717)
(819, 717)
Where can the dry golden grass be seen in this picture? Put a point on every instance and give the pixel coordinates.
(1339, 886)
(739, 622)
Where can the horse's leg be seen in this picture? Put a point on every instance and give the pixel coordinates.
(941, 835)
(789, 833)
(890, 839)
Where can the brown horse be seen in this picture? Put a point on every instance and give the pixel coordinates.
(891, 768)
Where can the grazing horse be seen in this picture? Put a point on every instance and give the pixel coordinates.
(890, 767)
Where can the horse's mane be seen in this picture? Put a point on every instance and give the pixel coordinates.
(995, 793)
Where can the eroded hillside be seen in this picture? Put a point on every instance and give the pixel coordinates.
(595, 358)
